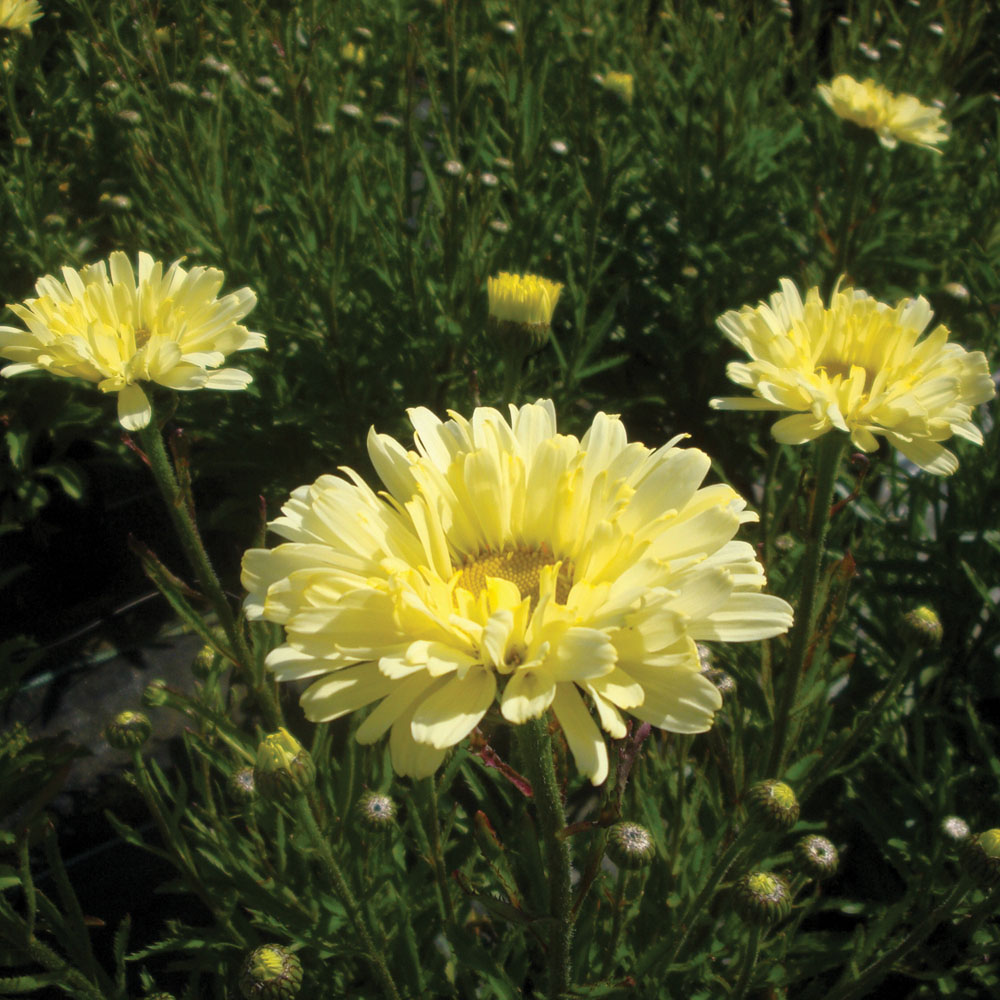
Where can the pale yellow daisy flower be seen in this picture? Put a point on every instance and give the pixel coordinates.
(17, 15)
(894, 118)
(621, 84)
(167, 328)
(857, 366)
(522, 298)
(509, 563)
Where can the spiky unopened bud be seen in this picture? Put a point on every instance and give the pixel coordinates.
(271, 972)
(284, 767)
(762, 898)
(128, 730)
(923, 627)
(204, 663)
(980, 856)
(156, 694)
(773, 805)
(377, 812)
(817, 856)
(630, 845)
(242, 786)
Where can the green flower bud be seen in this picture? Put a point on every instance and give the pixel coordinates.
(377, 812)
(923, 627)
(203, 665)
(773, 805)
(242, 786)
(284, 767)
(980, 857)
(159, 996)
(817, 857)
(13, 740)
(762, 898)
(271, 972)
(955, 828)
(128, 730)
(155, 695)
(630, 845)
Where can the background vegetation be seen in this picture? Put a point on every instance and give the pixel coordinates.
(364, 167)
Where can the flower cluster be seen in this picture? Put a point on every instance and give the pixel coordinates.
(119, 332)
(508, 562)
(857, 366)
(18, 15)
(893, 118)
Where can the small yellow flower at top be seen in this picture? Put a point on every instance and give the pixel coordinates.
(892, 117)
(17, 15)
(621, 84)
(350, 52)
(523, 298)
(127, 329)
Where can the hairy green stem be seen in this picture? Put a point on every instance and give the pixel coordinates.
(322, 848)
(537, 747)
(859, 155)
(827, 463)
(186, 529)
(749, 962)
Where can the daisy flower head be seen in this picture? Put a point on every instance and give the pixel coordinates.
(506, 563)
(893, 118)
(107, 325)
(858, 366)
(17, 15)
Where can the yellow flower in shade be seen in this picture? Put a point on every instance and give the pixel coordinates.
(508, 563)
(522, 298)
(352, 53)
(621, 84)
(893, 118)
(17, 15)
(857, 366)
(166, 328)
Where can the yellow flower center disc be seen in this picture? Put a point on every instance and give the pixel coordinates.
(520, 567)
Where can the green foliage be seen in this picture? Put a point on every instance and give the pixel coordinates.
(364, 168)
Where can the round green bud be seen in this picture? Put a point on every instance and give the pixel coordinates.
(155, 695)
(923, 627)
(242, 786)
(980, 857)
(762, 898)
(817, 857)
(773, 805)
(630, 845)
(284, 767)
(377, 812)
(14, 740)
(159, 996)
(128, 730)
(955, 828)
(724, 683)
(270, 972)
(203, 665)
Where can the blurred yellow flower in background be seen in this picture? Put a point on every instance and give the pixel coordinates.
(17, 15)
(856, 366)
(166, 328)
(507, 562)
(621, 84)
(893, 118)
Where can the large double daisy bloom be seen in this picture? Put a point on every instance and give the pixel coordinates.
(508, 563)
(894, 118)
(123, 330)
(857, 365)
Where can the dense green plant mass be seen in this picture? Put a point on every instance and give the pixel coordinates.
(365, 168)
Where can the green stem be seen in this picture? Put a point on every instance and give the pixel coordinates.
(187, 533)
(616, 923)
(537, 749)
(321, 846)
(860, 732)
(859, 155)
(664, 956)
(827, 462)
(862, 983)
(749, 962)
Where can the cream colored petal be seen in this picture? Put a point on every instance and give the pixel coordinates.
(581, 732)
(528, 694)
(134, 409)
(744, 618)
(799, 428)
(410, 758)
(581, 653)
(679, 700)
(346, 691)
(449, 714)
(400, 701)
